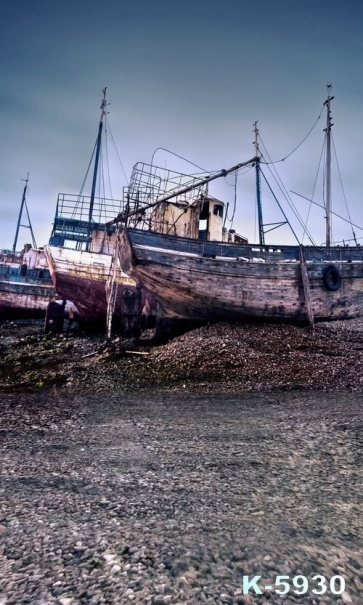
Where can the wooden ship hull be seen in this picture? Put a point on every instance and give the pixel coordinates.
(81, 277)
(212, 281)
(26, 287)
(24, 298)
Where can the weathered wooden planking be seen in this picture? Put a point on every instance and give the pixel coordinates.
(24, 299)
(267, 253)
(81, 277)
(195, 286)
(306, 288)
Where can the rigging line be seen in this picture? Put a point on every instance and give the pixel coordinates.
(118, 155)
(323, 207)
(286, 194)
(103, 198)
(293, 209)
(288, 198)
(313, 193)
(299, 145)
(279, 205)
(225, 215)
(29, 223)
(341, 183)
(235, 199)
(108, 165)
(241, 172)
(79, 201)
(88, 169)
(181, 158)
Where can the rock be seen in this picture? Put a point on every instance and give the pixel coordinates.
(66, 601)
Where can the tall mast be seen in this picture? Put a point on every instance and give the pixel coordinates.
(21, 212)
(98, 149)
(258, 187)
(327, 130)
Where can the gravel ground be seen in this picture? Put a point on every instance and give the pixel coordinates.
(221, 357)
(172, 497)
(164, 474)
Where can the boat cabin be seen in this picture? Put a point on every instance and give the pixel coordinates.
(203, 219)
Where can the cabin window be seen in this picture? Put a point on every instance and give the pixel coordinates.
(218, 210)
(204, 213)
(23, 269)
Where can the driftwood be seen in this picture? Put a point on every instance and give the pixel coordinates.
(90, 354)
(99, 351)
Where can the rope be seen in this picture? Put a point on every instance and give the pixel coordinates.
(102, 175)
(73, 215)
(235, 199)
(316, 180)
(88, 169)
(113, 140)
(279, 205)
(286, 195)
(107, 162)
(299, 145)
(345, 199)
(181, 158)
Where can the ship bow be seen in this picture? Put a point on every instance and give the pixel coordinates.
(126, 255)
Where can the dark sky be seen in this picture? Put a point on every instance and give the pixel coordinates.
(191, 77)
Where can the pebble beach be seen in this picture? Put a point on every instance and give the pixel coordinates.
(165, 474)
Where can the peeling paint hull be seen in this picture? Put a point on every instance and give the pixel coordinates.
(81, 277)
(24, 299)
(213, 281)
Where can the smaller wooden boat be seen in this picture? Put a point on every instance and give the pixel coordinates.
(26, 286)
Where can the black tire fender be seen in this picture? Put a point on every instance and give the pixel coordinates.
(332, 278)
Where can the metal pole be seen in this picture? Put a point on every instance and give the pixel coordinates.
(328, 167)
(21, 212)
(165, 198)
(258, 188)
(95, 171)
